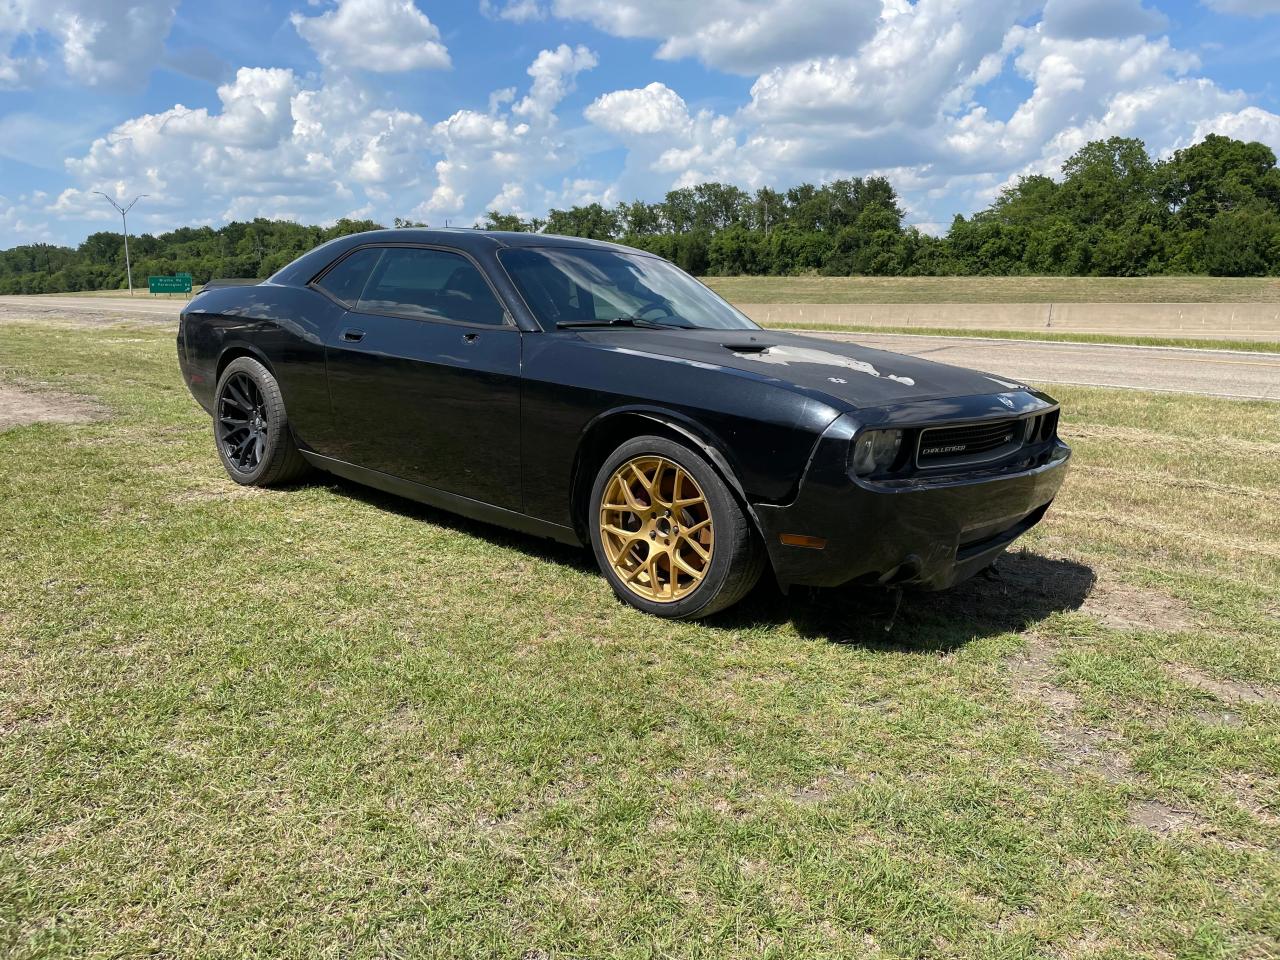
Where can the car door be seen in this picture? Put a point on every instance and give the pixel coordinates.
(424, 371)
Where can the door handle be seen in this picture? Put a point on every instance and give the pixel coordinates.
(352, 335)
(469, 337)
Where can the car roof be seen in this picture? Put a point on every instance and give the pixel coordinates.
(469, 239)
(459, 238)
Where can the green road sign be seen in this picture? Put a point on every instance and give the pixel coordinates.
(179, 284)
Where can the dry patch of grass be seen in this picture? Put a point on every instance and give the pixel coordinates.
(20, 406)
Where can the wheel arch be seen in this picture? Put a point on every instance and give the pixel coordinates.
(234, 351)
(609, 430)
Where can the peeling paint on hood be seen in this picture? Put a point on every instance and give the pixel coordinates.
(847, 372)
(783, 355)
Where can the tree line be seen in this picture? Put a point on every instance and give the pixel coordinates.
(1212, 208)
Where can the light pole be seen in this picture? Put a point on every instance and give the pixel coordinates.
(125, 223)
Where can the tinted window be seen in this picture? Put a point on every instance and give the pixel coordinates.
(574, 285)
(345, 281)
(429, 285)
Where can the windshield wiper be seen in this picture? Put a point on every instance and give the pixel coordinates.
(626, 322)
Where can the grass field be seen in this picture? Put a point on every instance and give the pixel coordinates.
(321, 722)
(996, 289)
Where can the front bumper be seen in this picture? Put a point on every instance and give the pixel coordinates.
(929, 533)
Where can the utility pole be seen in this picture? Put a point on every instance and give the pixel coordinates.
(125, 223)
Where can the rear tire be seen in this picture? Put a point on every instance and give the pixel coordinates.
(251, 428)
(668, 533)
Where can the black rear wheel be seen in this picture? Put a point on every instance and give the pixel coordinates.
(251, 427)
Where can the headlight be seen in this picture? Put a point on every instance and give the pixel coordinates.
(874, 452)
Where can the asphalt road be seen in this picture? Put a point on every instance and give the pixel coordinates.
(1215, 373)
(1218, 373)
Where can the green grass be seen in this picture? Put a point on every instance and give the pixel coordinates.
(997, 289)
(1255, 346)
(320, 722)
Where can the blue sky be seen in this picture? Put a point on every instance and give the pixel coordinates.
(438, 111)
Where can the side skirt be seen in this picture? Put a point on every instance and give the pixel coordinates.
(452, 502)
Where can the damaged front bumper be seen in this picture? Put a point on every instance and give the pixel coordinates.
(926, 530)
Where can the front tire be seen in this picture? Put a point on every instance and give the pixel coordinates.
(251, 428)
(668, 533)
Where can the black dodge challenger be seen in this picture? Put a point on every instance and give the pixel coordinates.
(596, 394)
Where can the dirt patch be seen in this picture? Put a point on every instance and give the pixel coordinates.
(1124, 607)
(1030, 676)
(1230, 691)
(1075, 749)
(20, 407)
(1090, 750)
(1217, 718)
(1256, 793)
(227, 490)
(1163, 819)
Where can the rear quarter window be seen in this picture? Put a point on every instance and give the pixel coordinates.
(346, 280)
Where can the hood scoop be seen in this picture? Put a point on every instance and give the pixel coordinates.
(746, 348)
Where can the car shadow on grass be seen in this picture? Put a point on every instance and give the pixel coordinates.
(1024, 588)
(539, 548)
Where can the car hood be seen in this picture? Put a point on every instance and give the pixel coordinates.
(850, 372)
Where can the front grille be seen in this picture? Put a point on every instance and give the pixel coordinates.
(975, 441)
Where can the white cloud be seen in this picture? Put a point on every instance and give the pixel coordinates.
(1082, 19)
(275, 147)
(553, 75)
(650, 110)
(739, 36)
(495, 153)
(1249, 124)
(903, 105)
(667, 145)
(279, 146)
(517, 11)
(383, 36)
(919, 57)
(101, 43)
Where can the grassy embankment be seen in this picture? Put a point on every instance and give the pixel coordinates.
(998, 289)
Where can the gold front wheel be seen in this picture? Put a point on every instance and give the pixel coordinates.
(656, 529)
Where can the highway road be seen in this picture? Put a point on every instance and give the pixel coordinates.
(1218, 373)
(1214, 373)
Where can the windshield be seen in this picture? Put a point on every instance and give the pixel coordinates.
(580, 286)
